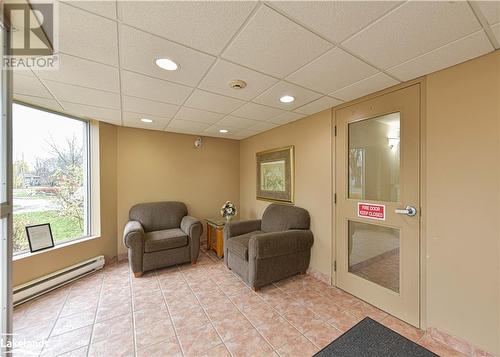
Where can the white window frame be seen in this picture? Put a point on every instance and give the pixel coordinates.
(92, 182)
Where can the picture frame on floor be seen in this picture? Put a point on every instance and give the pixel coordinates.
(39, 237)
(276, 175)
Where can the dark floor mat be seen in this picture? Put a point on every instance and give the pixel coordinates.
(371, 339)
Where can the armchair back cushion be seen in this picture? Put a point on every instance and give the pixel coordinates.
(278, 218)
(156, 216)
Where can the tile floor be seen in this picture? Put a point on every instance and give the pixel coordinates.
(382, 269)
(201, 310)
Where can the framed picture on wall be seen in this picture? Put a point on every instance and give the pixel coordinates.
(275, 174)
(39, 237)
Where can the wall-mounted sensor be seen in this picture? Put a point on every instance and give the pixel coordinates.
(197, 142)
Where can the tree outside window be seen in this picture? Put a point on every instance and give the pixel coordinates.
(50, 164)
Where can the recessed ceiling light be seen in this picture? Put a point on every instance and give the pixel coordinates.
(166, 64)
(223, 131)
(144, 120)
(287, 99)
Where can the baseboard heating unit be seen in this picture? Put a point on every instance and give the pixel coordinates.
(37, 287)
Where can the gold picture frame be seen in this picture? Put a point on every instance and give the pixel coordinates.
(276, 175)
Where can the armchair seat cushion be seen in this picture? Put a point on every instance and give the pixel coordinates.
(165, 239)
(238, 245)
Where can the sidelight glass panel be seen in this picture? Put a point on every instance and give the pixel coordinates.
(374, 158)
(374, 254)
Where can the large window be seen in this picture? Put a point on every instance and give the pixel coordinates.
(50, 175)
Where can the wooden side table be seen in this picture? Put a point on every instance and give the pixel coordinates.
(216, 242)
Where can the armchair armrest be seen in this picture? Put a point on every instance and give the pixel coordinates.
(133, 234)
(193, 228)
(191, 225)
(234, 229)
(275, 244)
(133, 238)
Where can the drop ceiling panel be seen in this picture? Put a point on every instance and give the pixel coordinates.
(272, 96)
(205, 25)
(150, 107)
(111, 116)
(233, 122)
(213, 102)
(214, 131)
(138, 85)
(82, 95)
(257, 111)
(366, 86)
(335, 20)
(78, 71)
(318, 105)
(469, 47)
(411, 30)
(262, 126)
(490, 10)
(245, 134)
(29, 85)
(273, 44)
(139, 50)
(496, 31)
(134, 120)
(261, 43)
(87, 35)
(197, 115)
(192, 126)
(333, 70)
(39, 102)
(286, 118)
(104, 8)
(183, 131)
(219, 76)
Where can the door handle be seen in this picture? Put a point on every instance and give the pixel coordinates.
(410, 211)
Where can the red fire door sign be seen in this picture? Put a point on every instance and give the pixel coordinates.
(371, 211)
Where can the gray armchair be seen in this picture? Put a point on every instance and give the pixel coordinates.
(161, 234)
(271, 249)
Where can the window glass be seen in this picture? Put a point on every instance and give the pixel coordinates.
(374, 254)
(50, 175)
(374, 158)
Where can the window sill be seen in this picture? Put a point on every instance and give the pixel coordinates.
(59, 246)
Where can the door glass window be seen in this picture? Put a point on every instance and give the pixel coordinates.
(374, 159)
(374, 254)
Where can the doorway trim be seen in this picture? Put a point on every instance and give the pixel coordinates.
(422, 182)
(6, 206)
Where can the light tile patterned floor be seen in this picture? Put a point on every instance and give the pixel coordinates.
(201, 310)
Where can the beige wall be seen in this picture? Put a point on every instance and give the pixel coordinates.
(462, 178)
(43, 263)
(138, 165)
(156, 166)
(461, 195)
(313, 177)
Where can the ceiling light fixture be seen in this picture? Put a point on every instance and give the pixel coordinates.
(223, 131)
(144, 120)
(287, 99)
(167, 64)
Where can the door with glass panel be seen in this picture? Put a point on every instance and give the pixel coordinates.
(377, 186)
